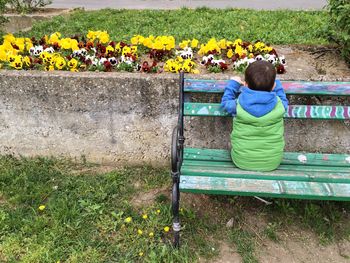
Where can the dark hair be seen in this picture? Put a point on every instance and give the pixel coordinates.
(260, 75)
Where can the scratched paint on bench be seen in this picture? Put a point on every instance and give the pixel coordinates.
(273, 188)
(294, 111)
(200, 168)
(289, 158)
(290, 87)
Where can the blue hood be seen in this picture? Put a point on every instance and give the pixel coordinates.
(257, 103)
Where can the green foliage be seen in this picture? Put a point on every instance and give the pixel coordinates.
(2, 10)
(202, 23)
(339, 25)
(245, 243)
(27, 6)
(85, 214)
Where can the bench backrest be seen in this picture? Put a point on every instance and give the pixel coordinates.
(291, 88)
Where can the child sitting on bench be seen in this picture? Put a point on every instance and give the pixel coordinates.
(257, 137)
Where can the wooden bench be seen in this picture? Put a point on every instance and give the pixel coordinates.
(314, 176)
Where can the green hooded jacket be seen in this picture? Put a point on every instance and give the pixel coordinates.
(258, 142)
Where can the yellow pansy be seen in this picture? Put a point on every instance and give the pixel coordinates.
(229, 53)
(222, 43)
(134, 50)
(10, 57)
(17, 62)
(194, 43)
(104, 37)
(73, 63)
(238, 41)
(240, 51)
(60, 63)
(26, 61)
(91, 35)
(126, 50)
(184, 44)
(54, 38)
(3, 54)
(109, 49)
(9, 38)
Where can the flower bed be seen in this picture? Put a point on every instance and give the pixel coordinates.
(98, 52)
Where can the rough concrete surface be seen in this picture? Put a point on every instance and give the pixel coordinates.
(127, 118)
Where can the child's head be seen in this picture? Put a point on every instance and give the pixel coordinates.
(260, 75)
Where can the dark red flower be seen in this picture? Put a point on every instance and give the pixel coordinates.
(42, 41)
(245, 44)
(89, 45)
(34, 41)
(55, 46)
(81, 44)
(102, 49)
(145, 67)
(273, 52)
(112, 44)
(280, 69)
(122, 44)
(108, 66)
(223, 66)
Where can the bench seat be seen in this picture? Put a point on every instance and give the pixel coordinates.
(300, 175)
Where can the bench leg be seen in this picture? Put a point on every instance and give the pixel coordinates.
(175, 209)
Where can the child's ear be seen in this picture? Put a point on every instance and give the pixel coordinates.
(274, 85)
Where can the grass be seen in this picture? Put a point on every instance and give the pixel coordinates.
(276, 27)
(85, 213)
(84, 217)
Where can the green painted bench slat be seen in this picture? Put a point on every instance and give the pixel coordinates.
(285, 175)
(290, 87)
(290, 158)
(265, 188)
(287, 167)
(294, 111)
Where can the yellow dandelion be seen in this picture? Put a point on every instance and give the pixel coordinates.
(41, 208)
(141, 254)
(139, 231)
(158, 211)
(145, 216)
(166, 229)
(151, 234)
(128, 219)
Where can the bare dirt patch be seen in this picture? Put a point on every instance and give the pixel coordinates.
(295, 244)
(143, 199)
(93, 170)
(228, 254)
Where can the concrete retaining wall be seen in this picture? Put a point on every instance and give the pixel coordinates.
(122, 118)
